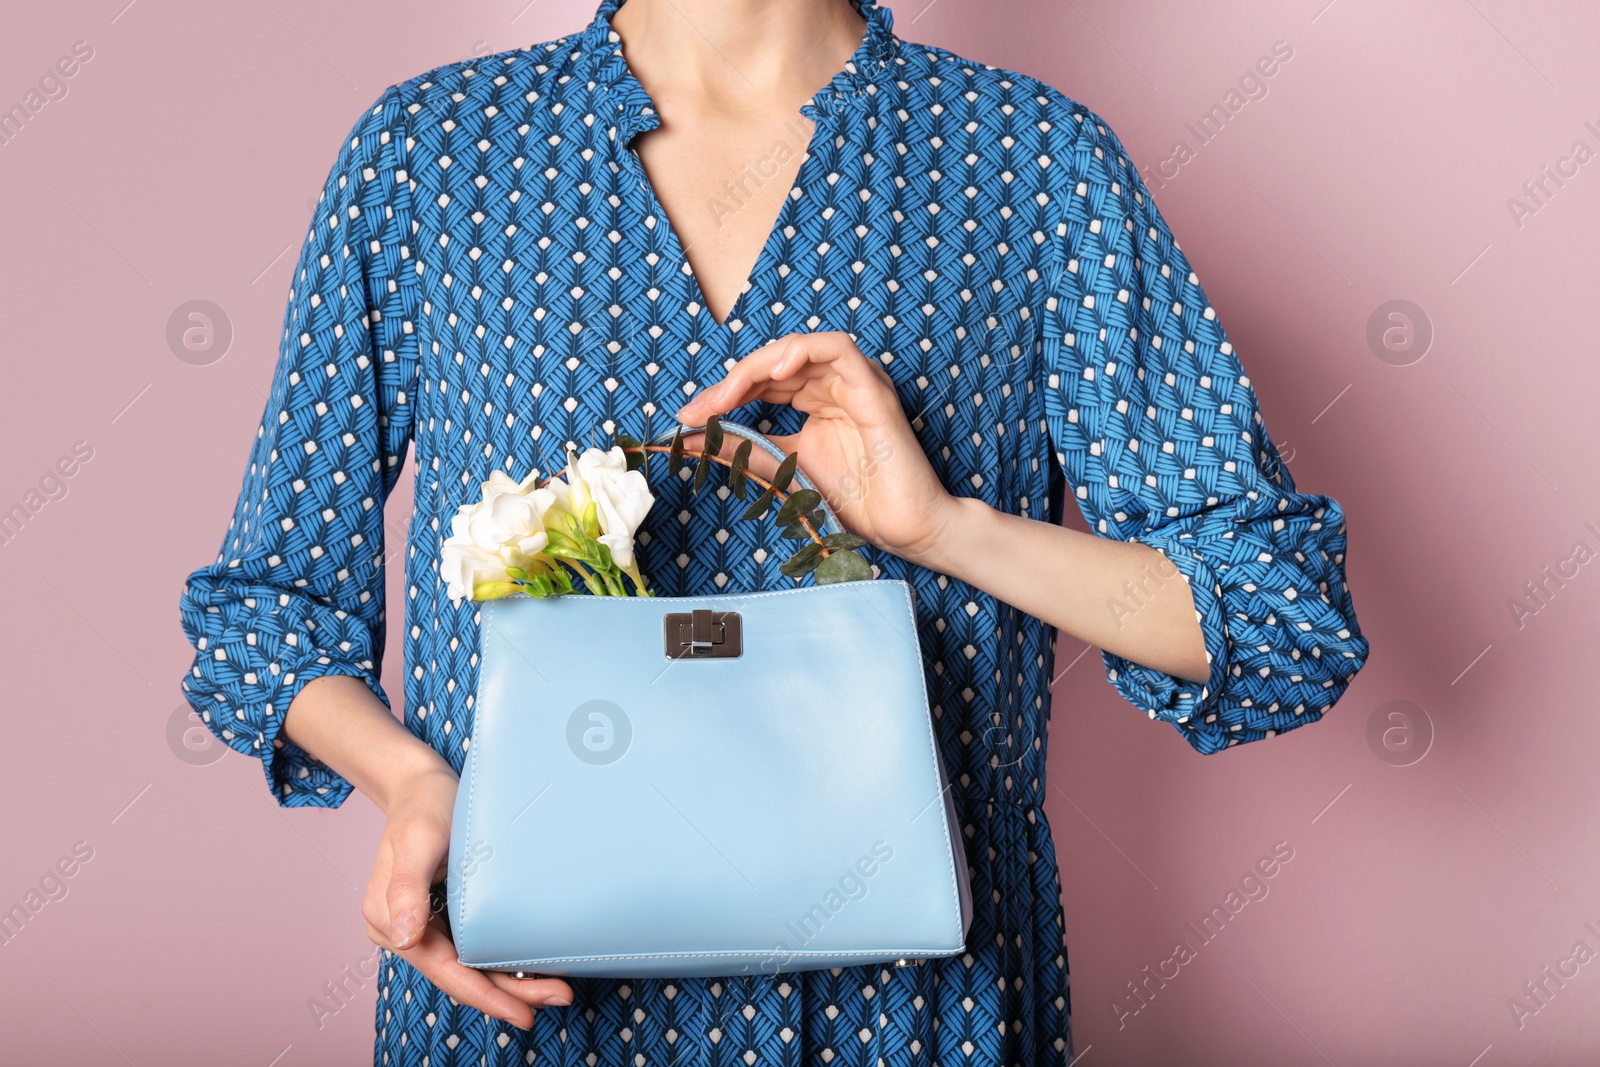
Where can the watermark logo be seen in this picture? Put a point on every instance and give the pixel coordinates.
(52, 486)
(52, 87)
(1252, 888)
(1250, 87)
(477, 854)
(1538, 992)
(1539, 592)
(852, 884)
(1399, 733)
(344, 989)
(1399, 333)
(599, 732)
(1538, 191)
(199, 332)
(191, 740)
(50, 887)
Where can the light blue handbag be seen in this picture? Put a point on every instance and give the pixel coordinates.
(709, 785)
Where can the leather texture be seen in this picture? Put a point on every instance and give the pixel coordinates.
(623, 814)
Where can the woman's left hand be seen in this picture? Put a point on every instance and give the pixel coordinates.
(856, 445)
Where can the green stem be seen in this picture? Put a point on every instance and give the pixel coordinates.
(779, 497)
(639, 586)
(578, 568)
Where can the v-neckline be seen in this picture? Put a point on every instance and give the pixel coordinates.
(697, 296)
(638, 114)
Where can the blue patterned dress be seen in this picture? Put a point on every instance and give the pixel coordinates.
(489, 276)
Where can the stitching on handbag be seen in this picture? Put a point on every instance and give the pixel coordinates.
(933, 748)
(841, 587)
(938, 774)
(472, 787)
(895, 953)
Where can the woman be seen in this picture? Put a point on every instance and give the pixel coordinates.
(957, 306)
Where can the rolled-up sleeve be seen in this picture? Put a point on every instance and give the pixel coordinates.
(297, 591)
(1158, 432)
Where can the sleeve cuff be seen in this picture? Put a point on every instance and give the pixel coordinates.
(1190, 706)
(294, 777)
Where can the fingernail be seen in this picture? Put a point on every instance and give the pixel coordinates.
(404, 928)
(556, 1000)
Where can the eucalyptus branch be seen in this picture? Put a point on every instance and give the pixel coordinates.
(798, 514)
(779, 496)
(832, 556)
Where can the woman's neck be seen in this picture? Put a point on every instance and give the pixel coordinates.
(737, 54)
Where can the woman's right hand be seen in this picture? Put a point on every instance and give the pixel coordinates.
(413, 855)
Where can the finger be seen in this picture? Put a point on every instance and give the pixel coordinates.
(786, 442)
(539, 992)
(418, 850)
(760, 464)
(375, 901)
(771, 363)
(435, 957)
(778, 361)
(694, 412)
(831, 379)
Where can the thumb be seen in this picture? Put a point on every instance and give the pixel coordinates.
(417, 855)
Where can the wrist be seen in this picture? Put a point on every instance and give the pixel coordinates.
(410, 769)
(958, 528)
(338, 720)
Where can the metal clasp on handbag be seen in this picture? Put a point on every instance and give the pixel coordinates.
(702, 634)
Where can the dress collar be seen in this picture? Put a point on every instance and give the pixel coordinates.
(632, 111)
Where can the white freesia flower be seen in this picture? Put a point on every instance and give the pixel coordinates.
(501, 543)
(505, 528)
(622, 498)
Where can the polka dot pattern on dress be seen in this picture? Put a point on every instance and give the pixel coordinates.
(488, 277)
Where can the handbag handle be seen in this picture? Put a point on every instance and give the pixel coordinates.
(830, 521)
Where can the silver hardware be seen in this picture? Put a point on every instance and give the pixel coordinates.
(702, 634)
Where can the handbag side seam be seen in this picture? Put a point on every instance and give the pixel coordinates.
(938, 775)
(472, 769)
(901, 953)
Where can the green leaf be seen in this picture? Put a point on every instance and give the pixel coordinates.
(713, 441)
(796, 533)
(803, 562)
(816, 519)
(702, 469)
(846, 566)
(675, 454)
(741, 460)
(632, 451)
(759, 508)
(844, 540)
(780, 481)
(799, 502)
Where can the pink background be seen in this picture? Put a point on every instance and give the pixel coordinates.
(1378, 166)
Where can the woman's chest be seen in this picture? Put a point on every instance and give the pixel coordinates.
(558, 303)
